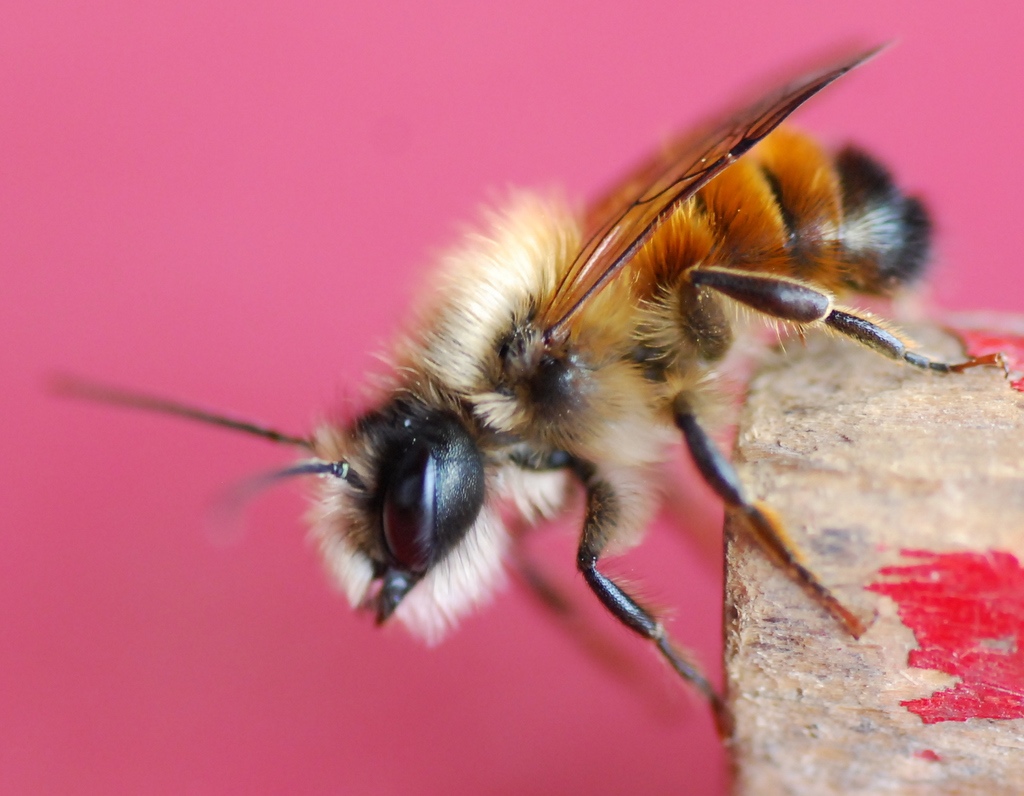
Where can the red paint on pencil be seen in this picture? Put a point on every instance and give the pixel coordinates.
(982, 342)
(967, 612)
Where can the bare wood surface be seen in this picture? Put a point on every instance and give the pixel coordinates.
(864, 458)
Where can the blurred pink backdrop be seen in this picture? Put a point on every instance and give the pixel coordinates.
(234, 203)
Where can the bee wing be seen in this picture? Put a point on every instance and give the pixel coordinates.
(622, 221)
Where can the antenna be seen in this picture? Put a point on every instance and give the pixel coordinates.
(74, 387)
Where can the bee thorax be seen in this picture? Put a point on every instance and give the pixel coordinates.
(559, 387)
(520, 353)
(553, 385)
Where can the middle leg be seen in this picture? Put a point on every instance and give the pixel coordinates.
(764, 526)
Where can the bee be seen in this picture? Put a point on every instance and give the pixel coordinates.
(562, 347)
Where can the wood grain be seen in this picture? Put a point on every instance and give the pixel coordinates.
(865, 459)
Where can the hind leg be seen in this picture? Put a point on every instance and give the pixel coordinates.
(793, 300)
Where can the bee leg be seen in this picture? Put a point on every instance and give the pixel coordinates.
(778, 296)
(547, 593)
(602, 514)
(593, 639)
(790, 299)
(866, 331)
(765, 527)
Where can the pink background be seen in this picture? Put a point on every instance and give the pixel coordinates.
(233, 203)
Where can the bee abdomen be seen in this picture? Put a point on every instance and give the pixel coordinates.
(834, 222)
(842, 222)
(886, 234)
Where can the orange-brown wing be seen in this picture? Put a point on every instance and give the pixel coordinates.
(620, 223)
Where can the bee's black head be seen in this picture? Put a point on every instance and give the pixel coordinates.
(430, 489)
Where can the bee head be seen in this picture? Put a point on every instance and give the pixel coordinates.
(415, 490)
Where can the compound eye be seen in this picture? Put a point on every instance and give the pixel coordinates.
(432, 489)
(410, 509)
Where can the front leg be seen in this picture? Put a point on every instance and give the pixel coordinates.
(601, 520)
